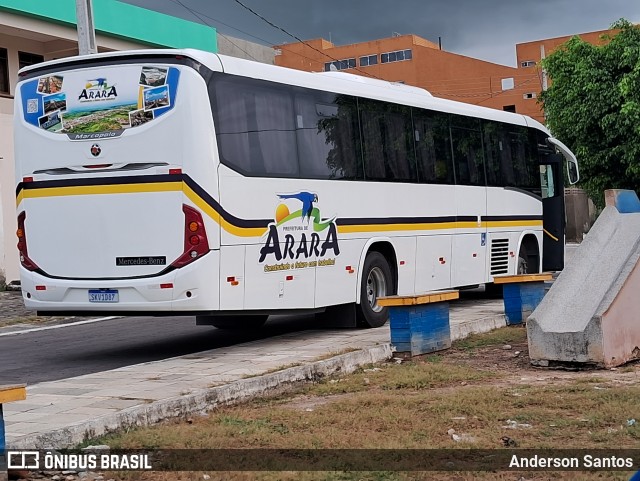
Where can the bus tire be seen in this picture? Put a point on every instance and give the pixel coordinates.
(236, 323)
(377, 281)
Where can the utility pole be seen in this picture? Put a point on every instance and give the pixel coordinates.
(86, 30)
(544, 72)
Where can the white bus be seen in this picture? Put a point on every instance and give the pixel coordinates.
(184, 182)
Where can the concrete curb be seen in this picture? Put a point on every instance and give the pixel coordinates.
(478, 326)
(201, 401)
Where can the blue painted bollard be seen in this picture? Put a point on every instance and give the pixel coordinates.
(7, 394)
(420, 324)
(522, 294)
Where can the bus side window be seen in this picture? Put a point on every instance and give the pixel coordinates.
(314, 146)
(525, 163)
(433, 147)
(342, 135)
(386, 141)
(492, 153)
(507, 171)
(327, 135)
(467, 151)
(255, 127)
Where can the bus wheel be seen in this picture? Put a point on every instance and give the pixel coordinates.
(232, 322)
(377, 281)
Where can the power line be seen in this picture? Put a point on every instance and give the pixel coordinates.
(298, 38)
(193, 12)
(199, 15)
(479, 79)
(503, 91)
(267, 43)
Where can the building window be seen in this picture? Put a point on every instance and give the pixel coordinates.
(528, 63)
(509, 108)
(368, 60)
(340, 64)
(531, 95)
(25, 59)
(507, 83)
(397, 56)
(4, 71)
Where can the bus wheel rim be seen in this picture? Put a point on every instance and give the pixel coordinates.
(376, 287)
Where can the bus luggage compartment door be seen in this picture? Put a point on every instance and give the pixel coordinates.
(102, 236)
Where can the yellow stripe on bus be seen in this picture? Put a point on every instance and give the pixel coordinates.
(215, 215)
(98, 189)
(515, 223)
(352, 229)
(251, 231)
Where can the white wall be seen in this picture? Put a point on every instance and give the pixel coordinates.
(236, 47)
(8, 251)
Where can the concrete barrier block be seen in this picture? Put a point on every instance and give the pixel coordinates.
(591, 315)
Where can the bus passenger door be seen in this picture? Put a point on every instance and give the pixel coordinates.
(469, 246)
(553, 215)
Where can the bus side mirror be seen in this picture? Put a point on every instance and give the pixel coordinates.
(572, 172)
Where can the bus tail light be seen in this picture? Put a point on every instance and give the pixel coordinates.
(22, 244)
(195, 237)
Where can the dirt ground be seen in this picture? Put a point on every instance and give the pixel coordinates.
(515, 366)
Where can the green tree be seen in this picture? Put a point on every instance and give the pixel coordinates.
(593, 106)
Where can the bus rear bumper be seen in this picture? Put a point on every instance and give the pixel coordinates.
(192, 288)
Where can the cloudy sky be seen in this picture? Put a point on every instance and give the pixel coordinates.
(485, 29)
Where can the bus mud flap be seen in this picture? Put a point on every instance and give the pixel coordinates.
(343, 315)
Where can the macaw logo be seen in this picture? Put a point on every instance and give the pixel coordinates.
(306, 233)
(97, 89)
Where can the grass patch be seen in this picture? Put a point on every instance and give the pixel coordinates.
(497, 338)
(413, 405)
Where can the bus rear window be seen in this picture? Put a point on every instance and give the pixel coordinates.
(99, 102)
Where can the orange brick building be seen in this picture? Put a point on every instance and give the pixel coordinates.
(415, 61)
(535, 51)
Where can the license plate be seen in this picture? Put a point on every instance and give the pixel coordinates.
(103, 295)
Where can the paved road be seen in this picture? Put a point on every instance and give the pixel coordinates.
(74, 350)
(81, 349)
